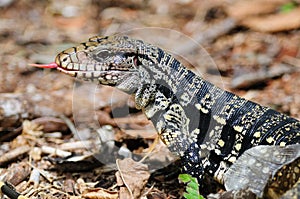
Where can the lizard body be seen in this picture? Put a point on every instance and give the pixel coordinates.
(209, 128)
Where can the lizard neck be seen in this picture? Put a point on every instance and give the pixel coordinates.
(161, 72)
(168, 94)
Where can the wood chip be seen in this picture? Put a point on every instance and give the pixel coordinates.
(56, 152)
(13, 154)
(35, 154)
(34, 178)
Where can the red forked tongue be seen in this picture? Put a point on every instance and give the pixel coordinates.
(51, 65)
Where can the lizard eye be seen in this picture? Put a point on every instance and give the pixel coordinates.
(103, 54)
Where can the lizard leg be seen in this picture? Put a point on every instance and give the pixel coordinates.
(172, 127)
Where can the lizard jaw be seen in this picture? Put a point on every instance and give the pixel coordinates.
(109, 75)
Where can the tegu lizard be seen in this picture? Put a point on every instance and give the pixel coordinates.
(209, 128)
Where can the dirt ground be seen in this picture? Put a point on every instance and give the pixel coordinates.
(60, 138)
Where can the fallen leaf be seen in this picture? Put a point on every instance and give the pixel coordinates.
(242, 9)
(99, 193)
(274, 23)
(133, 175)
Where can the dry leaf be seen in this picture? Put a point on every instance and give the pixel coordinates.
(274, 23)
(243, 9)
(99, 193)
(258, 16)
(133, 175)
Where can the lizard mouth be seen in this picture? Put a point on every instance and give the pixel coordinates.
(108, 71)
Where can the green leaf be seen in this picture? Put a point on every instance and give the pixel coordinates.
(201, 197)
(192, 191)
(193, 185)
(194, 180)
(187, 196)
(190, 196)
(185, 178)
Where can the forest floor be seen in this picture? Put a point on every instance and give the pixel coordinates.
(62, 138)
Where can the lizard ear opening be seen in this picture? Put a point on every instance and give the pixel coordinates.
(136, 61)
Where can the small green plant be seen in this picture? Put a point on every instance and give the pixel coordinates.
(285, 8)
(192, 187)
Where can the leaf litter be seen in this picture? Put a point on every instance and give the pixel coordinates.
(241, 37)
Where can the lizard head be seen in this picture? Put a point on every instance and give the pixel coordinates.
(110, 61)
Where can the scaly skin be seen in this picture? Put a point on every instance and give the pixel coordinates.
(209, 128)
